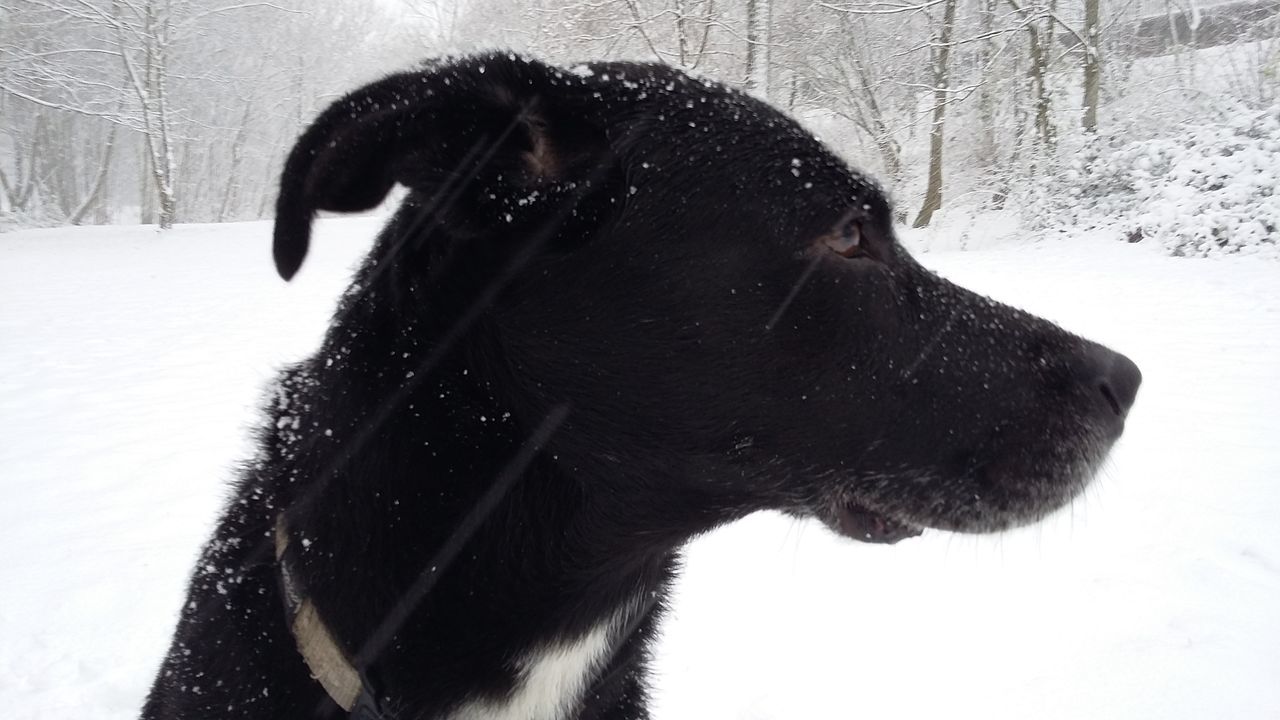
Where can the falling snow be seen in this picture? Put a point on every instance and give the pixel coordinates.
(127, 405)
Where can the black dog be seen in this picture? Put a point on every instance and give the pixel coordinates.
(619, 307)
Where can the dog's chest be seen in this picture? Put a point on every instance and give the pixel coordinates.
(553, 678)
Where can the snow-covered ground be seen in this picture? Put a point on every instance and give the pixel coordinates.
(131, 364)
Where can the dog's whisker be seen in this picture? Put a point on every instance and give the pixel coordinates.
(791, 295)
(930, 345)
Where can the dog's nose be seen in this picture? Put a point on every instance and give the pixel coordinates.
(1114, 377)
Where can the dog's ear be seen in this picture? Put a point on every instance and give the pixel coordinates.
(444, 131)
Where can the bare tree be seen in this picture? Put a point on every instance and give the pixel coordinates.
(986, 55)
(178, 108)
(1092, 80)
(1038, 23)
(941, 77)
(847, 80)
(757, 51)
(144, 36)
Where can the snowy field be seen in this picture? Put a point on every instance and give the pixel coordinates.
(131, 364)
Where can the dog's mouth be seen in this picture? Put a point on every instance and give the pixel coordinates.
(993, 491)
(861, 523)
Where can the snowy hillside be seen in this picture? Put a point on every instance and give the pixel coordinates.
(131, 363)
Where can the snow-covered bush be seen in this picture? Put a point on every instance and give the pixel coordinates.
(37, 216)
(1206, 189)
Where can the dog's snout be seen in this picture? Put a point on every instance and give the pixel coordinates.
(1113, 376)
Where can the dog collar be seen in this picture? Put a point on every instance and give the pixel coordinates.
(345, 683)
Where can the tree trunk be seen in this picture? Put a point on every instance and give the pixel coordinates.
(1039, 73)
(758, 46)
(149, 84)
(95, 192)
(146, 196)
(233, 173)
(682, 34)
(1092, 66)
(163, 146)
(941, 58)
(59, 169)
(986, 141)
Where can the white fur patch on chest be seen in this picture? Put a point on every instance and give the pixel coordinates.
(553, 678)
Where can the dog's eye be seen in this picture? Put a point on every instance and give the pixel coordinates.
(847, 241)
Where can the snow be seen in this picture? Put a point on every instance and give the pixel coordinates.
(1204, 189)
(131, 364)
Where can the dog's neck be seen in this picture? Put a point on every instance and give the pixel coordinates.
(541, 596)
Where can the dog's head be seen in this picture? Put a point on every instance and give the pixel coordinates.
(721, 301)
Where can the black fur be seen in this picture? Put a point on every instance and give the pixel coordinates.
(647, 274)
